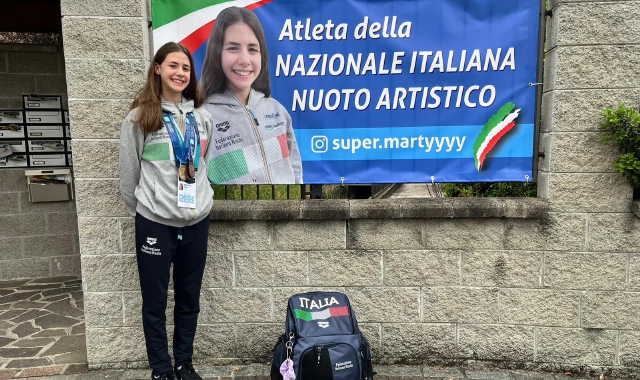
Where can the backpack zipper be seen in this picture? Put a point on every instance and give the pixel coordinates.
(254, 125)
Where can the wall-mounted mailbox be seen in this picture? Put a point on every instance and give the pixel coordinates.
(16, 146)
(39, 131)
(49, 185)
(14, 161)
(35, 101)
(43, 117)
(37, 135)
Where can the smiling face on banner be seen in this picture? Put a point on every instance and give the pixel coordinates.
(390, 91)
(240, 59)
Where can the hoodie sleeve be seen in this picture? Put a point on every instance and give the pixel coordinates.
(131, 146)
(294, 152)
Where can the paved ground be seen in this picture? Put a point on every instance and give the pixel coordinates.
(417, 190)
(261, 372)
(42, 327)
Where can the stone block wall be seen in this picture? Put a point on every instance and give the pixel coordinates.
(36, 239)
(550, 283)
(30, 68)
(106, 49)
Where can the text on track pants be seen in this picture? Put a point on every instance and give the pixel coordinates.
(157, 246)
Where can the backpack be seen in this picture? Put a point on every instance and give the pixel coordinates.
(322, 339)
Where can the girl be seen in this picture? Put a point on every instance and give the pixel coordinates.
(163, 180)
(254, 141)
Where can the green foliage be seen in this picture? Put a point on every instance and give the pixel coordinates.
(335, 192)
(621, 127)
(234, 192)
(248, 192)
(486, 189)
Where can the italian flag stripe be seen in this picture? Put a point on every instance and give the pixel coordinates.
(339, 311)
(197, 38)
(284, 147)
(492, 143)
(319, 315)
(167, 11)
(191, 25)
(228, 166)
(499, 124)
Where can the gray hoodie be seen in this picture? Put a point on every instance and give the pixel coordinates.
(252, 144)
(148, 173)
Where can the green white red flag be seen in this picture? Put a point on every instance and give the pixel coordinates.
(323, 314)
(493, 131)
(190, 21)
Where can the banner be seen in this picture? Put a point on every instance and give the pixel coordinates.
(400, 91)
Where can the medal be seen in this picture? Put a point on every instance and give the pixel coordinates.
(185, 148)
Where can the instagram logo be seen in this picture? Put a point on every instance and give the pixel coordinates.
(319, 144)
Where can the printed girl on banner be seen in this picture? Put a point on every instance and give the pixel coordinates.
(164, 160)
(253, 140)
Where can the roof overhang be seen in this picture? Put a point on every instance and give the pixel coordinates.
(31, 16)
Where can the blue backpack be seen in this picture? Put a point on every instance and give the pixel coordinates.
(323, 340)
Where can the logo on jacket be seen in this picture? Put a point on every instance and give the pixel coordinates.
(152, 241)
(273, 115)
(274, 126)
(223, 127)
(324, 325)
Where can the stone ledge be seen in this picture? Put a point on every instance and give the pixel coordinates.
(416, 208)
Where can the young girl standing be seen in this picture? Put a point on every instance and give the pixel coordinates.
(163, 179)
(253, 141)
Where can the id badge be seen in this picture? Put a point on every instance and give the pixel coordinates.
(186, 194)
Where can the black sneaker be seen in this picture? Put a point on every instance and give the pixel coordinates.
(186, 372)
(164, 376)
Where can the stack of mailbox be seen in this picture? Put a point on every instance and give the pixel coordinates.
(36, 136)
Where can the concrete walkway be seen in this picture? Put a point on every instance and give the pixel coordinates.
(418, 190)
(261, 372)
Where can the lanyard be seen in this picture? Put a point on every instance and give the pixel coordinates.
(182, 154)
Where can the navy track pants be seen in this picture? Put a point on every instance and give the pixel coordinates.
(157, 247)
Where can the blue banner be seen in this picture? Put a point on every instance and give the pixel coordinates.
(398, 91)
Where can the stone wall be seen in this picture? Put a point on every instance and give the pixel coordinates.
(30, 68)
(550, 283)
(36, 239)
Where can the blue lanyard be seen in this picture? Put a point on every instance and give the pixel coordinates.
(192, 152)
